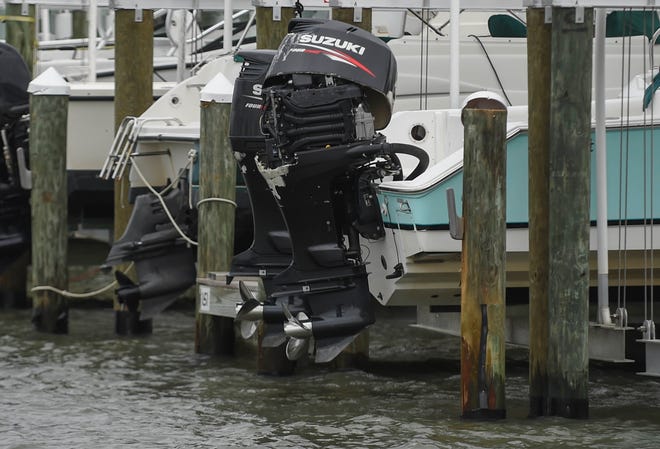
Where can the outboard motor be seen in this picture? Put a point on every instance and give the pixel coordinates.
(14, 122)
(328, 89)
(164, 262)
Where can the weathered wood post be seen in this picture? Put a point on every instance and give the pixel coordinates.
(133, 95)
(217, 189)
(568, 225)
(49, 100)
(539, 35)
(79, 23)
(360, 17)
(560, 139)
(484, 255)
(272, 25)
(21, 31)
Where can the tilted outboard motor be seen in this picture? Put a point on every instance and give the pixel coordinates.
(328, 89)
(164, 262)
(14, 122)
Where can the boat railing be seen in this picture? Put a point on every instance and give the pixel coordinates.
(125, 142)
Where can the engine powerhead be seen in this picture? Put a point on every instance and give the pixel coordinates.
(329, 84)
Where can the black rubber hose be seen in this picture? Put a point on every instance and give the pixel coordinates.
(396, 148)
(418, 153)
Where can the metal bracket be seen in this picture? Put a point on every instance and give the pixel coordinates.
(648, 330)
(579, 14)
(25, 8)
(277, 13)
(357, 14)
(455, 222)
(621, 317)
(24, 174)
(138, 15)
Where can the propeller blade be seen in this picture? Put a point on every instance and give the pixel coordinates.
(296, 348)
(295, 327)
(287, 313)
(248, 329)
(251, 310)
(246, 293)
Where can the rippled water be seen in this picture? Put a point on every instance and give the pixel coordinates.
(92, 389)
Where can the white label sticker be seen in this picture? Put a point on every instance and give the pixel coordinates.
(204, 298)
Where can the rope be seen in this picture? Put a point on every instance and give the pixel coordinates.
(28, 19)
(158, 195)
(69, 294)
(219, 200)
(162, 202)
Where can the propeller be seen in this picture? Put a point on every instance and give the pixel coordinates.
(299, 329)
(295, 327)
(249, 312)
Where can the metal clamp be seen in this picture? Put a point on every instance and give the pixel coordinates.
(24, 174)
(357, 14)
(455, 222)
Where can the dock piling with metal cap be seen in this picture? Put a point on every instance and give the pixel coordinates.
(49, 100)
(217, 191)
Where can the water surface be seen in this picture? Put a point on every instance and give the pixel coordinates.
(93, 389)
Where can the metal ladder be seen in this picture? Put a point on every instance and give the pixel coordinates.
(125, 142)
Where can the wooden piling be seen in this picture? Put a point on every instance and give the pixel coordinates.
(21, 31)
(49, 100)
(347, 15)
(270, 32)
(483, 260)
(217, 180)
(569, 190)
(133, 96)
(539, 36)
(79, 24)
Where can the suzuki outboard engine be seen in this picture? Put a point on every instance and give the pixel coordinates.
(328, 89)
(14, 121)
